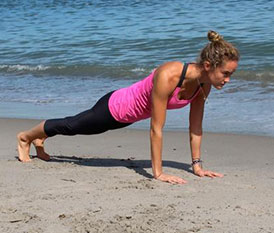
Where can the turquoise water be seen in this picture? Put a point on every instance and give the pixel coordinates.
(58, 57)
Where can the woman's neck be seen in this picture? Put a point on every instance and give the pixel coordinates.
(198, 72)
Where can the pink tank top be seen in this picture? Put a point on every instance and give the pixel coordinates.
(133, 103)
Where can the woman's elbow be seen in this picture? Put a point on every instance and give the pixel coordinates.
(155, 132)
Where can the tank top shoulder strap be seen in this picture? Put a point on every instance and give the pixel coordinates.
(183, 75)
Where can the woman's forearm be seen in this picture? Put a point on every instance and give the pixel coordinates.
(156, 142)
(195, 144)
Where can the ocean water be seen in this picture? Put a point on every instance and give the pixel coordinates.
(58, 57)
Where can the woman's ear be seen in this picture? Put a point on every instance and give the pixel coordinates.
(207, 66)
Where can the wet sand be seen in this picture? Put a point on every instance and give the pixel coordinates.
(103, 183)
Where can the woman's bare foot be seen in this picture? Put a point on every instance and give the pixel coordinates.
(23, 147)
(39, 146)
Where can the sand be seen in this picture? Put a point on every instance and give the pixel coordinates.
(103, 183)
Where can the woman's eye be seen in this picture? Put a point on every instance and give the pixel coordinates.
(226, 74)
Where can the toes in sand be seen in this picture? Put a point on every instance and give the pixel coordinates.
(23, 148)
(39, 146)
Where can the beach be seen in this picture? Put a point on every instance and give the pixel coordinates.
(59, 57)
(103, 183)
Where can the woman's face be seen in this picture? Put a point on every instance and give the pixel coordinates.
(221, 74)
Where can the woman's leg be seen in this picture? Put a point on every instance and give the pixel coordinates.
(96, 120)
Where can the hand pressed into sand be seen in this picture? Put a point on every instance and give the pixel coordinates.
(171, 179)
(197, 170)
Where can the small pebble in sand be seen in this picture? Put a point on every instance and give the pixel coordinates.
(61, 216)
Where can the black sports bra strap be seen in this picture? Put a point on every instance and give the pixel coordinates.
(183, 75)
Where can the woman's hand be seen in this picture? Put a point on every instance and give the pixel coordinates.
(198, 171)
(171, 179)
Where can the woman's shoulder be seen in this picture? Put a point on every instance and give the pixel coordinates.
(170, 70)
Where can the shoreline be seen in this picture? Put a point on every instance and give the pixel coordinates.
(103, 183)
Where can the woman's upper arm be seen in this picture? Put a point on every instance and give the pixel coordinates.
(162, 88)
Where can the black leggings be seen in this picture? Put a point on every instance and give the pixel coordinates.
(96, 120)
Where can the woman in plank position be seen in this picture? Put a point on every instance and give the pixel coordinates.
(172, 85)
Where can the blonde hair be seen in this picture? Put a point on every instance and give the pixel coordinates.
(217, 51)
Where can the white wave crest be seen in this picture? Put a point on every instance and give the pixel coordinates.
(13, 68)
(138, 70)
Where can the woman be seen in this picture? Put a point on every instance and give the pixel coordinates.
(172, 85)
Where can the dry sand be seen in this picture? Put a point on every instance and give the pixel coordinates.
(103, 183)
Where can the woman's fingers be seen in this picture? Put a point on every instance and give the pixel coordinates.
(176, 180)
(217, 174)
(171, 179)
(179, 180)
(213, 174)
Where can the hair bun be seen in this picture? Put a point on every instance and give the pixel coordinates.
(214, 36)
